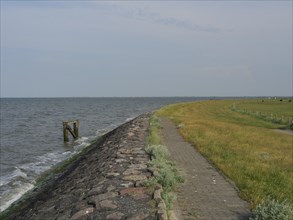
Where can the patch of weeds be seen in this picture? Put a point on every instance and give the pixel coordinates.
(168, 175)
(152, 204)
(272, 209)
(155, 121)
(159, 152)
(169, 199)
(153, 137)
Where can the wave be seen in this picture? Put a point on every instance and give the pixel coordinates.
(129, 119)
(14, 184)
(22, 178)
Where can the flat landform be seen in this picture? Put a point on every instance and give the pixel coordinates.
(239, 138)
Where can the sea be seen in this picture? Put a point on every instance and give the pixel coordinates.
(31, 133)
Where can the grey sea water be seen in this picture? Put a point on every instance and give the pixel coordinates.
(32, 136)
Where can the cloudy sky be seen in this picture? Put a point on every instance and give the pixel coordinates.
(147, 48)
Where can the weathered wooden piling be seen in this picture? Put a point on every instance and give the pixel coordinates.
(67, 127)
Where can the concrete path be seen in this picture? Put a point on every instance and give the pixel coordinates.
(205, 194)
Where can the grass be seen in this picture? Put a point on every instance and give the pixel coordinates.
(245, 148)
(268, 106)
(154, 137)
(278, 111)
(168, 175)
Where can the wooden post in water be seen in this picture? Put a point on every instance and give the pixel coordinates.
(65, 132)
(66, 128)
(75, 128)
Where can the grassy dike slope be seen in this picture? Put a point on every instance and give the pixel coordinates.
(245, 148)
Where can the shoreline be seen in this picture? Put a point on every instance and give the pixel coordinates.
(118, 158)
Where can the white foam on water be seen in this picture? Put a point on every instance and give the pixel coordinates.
(83, 142)
(129, 119)
(45, 162)
(22, 179)
(13, 186)
(11, 196)
(11, 176)
(101, 132)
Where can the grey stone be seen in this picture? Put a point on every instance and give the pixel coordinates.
(115, 215)
(135, 177)
(96, 199)
(108, 204)
(139, 216)
(138, 166)
(139, 152)
(162, 213)
(113, 174)
(139, 183)
(120, 160)
(130, 134)
(127, 185)
(111, 188)
(125, 151)
(157, 195)
(82, 212)
(131, 172)
(95, 191)
(89, 189)
(162, 205)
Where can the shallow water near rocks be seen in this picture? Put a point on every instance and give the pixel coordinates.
(32, 138)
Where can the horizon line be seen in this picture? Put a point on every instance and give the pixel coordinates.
(211, 96)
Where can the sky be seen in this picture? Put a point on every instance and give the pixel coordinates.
(146, 48)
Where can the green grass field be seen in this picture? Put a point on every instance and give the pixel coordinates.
(278, 111)
(246, 148)
(269, 106)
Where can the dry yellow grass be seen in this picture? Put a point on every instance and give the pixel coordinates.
(247, 149)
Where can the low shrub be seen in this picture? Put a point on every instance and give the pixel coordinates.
(168, 175)
(155, 122)
(153, 137)
(272, 209)
(159, 152)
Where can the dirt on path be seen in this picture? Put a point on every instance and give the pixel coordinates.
(206, 194)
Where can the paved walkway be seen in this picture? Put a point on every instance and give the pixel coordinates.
(205, 194)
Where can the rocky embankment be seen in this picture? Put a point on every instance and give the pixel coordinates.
(105, 183)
